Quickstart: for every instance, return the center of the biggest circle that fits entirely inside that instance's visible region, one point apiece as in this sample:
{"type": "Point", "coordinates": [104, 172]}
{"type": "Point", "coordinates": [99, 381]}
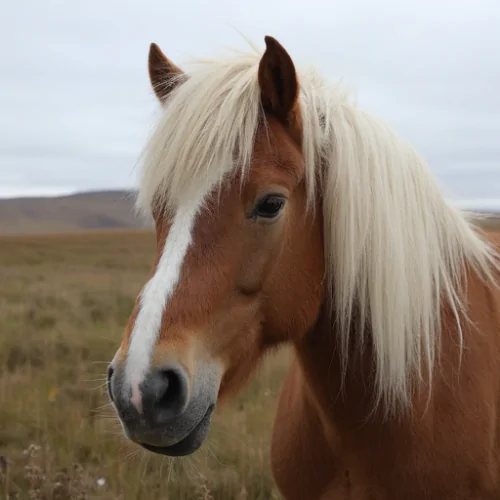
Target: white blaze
{"type": "Point", "coordinates": [154, 299]}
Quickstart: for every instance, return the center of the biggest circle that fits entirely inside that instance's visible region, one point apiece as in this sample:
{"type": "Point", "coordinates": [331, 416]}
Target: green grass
{"type": "Point", "coordinates": [64, 301]}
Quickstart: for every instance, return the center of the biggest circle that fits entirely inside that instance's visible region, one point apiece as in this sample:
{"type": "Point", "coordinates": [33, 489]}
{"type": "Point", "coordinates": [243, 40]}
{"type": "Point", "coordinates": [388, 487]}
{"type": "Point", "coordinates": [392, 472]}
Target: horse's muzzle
{"type": "Point", "coordinates": [164, 413]}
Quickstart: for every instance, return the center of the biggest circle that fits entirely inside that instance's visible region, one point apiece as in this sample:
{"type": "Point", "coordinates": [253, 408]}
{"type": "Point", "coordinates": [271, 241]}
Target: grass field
{"type": "Point", "coordinates": [491, 223]}
{"type": "Point", "coordinates": [63, 303]}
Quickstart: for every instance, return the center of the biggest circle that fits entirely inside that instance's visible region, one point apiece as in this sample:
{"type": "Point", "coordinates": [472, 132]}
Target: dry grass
{"type": "Point", "coordinates": [64, 300]}
{"type": "Point", "coordinates": [63, 303]}
{"type": "Point", "coordinates": [491, 223]}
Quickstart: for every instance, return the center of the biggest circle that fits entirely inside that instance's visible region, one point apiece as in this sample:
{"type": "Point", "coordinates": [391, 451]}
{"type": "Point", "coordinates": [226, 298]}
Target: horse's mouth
{"type": "Point", "coordinates": [190, 443]}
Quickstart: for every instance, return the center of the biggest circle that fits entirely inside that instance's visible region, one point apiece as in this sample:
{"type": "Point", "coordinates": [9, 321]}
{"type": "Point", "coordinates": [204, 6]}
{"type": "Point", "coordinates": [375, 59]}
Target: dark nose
{"type": "Point", "coordinates": [164, 395]}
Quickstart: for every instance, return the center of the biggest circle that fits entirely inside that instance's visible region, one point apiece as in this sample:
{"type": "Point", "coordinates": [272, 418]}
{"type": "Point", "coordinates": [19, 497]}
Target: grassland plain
{"type": "Point", "coordinates": [64, 300]}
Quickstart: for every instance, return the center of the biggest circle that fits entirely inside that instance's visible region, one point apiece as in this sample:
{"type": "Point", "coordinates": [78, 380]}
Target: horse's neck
{"type": "Point", "coordinates": [351, 403]}
{"type": "Point", "coordinates": [335, 397]}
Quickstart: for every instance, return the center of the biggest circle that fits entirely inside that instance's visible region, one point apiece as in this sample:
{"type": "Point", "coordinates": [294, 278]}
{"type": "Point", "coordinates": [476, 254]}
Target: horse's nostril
{"type": "Point", "coordinates": [170, 388]}
{"type": "Point", "coordinates": [164, 393]}
{"type": "Point", "coordinates": [111, 371]}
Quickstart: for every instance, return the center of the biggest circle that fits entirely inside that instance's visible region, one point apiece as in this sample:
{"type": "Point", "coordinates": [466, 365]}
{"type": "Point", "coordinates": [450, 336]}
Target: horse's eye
{"type": "Point", "coordinates": [270, 206]}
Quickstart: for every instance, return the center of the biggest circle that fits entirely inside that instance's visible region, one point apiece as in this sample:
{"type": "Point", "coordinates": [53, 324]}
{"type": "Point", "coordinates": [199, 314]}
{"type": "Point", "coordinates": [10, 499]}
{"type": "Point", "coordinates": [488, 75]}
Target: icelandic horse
{"type": "Point", "coordinates": [284, 213]}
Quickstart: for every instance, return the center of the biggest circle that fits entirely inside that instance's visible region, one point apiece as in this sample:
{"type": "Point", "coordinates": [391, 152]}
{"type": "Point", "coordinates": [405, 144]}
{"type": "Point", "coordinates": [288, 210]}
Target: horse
{"type": "Point", "coordinates": [284, 213]}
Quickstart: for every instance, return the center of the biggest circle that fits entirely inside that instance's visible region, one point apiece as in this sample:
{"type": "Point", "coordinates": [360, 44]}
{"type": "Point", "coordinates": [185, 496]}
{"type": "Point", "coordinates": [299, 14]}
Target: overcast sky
{"type": "Point", "coordinates": [76, 105]}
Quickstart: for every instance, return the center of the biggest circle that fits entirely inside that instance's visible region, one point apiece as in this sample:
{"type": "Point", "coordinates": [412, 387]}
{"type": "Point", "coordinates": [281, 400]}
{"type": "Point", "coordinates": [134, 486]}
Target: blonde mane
{"type": "Point", "coordinates": [394, 248]}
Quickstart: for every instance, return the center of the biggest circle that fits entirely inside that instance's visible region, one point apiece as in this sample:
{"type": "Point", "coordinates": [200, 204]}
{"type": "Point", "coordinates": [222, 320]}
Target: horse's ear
{"type": "Point", "coordinates": [163, 73]}
{"type": "Point", "coordinates": [277, 80]}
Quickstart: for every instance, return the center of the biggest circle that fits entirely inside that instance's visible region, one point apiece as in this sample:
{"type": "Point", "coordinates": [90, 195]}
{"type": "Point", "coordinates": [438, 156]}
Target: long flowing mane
{"type": "Point", "coordinates": [395, 249]}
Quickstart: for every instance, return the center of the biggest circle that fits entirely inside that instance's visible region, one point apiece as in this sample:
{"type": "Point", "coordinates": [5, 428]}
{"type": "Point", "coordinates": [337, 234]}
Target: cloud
{"type": "Point", "coordinates": [77, 106]}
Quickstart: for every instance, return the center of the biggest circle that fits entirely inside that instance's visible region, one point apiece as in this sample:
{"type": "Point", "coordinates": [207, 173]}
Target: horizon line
{"type": "Point", "coordinates": [481, 204]}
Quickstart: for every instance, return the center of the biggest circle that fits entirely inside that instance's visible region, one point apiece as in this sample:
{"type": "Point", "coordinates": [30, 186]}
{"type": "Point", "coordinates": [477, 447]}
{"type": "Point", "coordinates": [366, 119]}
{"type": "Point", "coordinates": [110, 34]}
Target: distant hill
{"type": "Point", "coordinates": [98, 210]}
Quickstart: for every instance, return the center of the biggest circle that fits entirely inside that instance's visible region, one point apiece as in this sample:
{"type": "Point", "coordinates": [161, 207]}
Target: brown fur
{"type": "Point", "coordinates": [249, 285]}
{"type": "Point", "coordinates": [448, 450]}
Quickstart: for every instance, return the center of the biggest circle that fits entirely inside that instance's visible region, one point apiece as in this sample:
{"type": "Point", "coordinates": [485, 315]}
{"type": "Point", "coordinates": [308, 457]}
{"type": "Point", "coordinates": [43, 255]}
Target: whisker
{"type": "Point", "coordinates": [107, 405]}
{"type": "Point", "coordinates": [209, 450]}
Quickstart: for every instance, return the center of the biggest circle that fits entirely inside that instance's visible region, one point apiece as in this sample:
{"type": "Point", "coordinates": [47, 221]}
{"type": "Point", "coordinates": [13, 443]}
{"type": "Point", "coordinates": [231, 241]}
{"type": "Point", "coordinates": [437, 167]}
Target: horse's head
{"type": "Point", "coordinates": [239, 263]}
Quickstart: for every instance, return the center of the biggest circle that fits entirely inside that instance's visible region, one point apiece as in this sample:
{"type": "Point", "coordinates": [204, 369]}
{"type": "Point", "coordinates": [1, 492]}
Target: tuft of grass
{"type": "Point", "coordinates": [64, 302]}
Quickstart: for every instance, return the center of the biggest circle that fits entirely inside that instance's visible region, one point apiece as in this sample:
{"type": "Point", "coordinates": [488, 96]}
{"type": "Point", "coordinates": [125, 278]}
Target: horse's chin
{"type": "Point", "coordinates": [188, 444]}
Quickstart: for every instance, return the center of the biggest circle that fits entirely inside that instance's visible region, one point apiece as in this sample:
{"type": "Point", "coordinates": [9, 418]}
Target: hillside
{"type": "Point", "coordinates": [100, 210]}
